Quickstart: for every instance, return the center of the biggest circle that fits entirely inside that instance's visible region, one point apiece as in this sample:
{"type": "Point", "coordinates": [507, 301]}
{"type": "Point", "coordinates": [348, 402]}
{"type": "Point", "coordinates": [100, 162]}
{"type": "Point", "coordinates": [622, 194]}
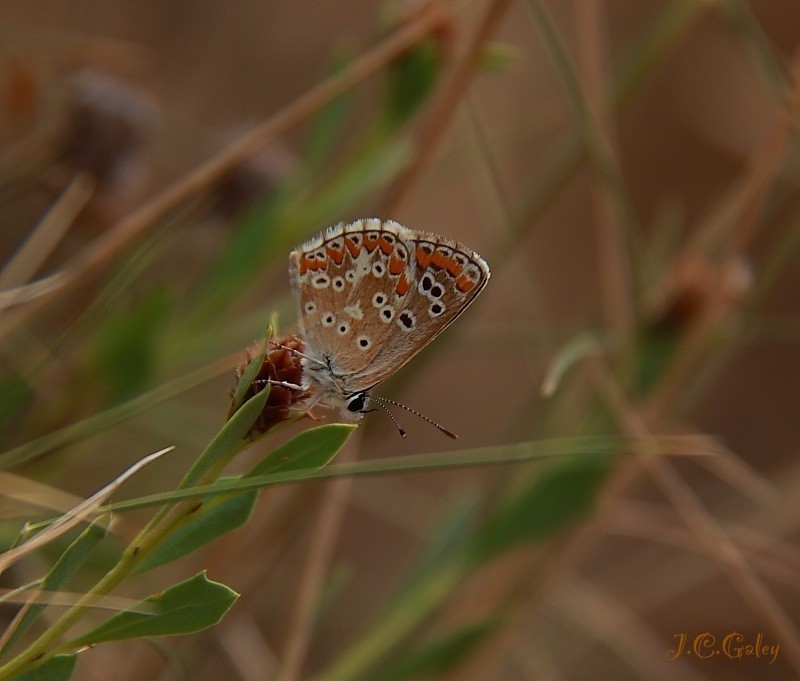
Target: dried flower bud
{"type": "Point", "coordinates": [281, 363]}
{"type": "Point", "coordinates": [253, 180]}
{"type": "Point", "coordinates": [108, 123]}
{"type": "Point", "coordinates": [695, 285]}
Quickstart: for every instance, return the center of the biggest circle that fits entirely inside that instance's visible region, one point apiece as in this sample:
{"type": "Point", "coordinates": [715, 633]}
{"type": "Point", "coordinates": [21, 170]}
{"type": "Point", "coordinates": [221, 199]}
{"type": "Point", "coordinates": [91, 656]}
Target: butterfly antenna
{"type": "Point", "coordinates": [444, 430]}
{"type": "Point", "coordinates": [391, 416]}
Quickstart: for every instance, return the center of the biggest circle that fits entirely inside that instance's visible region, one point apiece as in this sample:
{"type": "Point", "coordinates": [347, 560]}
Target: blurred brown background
{"type": "Point", "coordinates": [697, 119]}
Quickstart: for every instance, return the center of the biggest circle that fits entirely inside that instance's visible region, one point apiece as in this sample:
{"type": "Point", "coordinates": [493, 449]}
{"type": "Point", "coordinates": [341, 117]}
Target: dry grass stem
{"type": "Point", "coordinates": [440, 116]}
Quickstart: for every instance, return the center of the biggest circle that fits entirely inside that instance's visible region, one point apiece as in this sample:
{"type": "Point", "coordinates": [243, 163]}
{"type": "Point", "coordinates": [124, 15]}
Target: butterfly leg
{"type": "Point", "coordinates": [297, 352]}
{"type": "Point", "coordinates": [282, 384]}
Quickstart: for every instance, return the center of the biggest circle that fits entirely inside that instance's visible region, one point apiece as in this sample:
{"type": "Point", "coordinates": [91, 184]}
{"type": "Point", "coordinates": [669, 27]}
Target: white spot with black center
{"type": "Point", "coordinates": [350, 276]}
{"type": "Point", "coordinates": [338, 284]}
{"type": "Point", "coordinates": [425, 284]}
{"type": "Point", "coordinates": [406, 320]}
{"type": "Point", "coordinates": [379, 299]}
{"type": "Point", "coordinates": [310, 307]}
{"type": "Point", "coordinates": [436, 309]}
{"type": "Point", "coordinates": [436, 291]}
{"type": "Point", "coordinates": [343, 329]}
{"type": "Point", "coordinates": [320, 281]}
{"type": "Point", "coordinates": [386, 314]}
{"type": "Point", "coordinates": [378, 269]}
{"type": "Point", "coordinates": [363, 342]}
{"type": "Point", "coordinates": [328, 319]}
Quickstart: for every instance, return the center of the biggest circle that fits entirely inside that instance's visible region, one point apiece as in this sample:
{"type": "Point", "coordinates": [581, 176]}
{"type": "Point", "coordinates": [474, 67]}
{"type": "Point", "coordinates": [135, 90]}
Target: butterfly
{"type": "Point", "coordinates": [370, 295]}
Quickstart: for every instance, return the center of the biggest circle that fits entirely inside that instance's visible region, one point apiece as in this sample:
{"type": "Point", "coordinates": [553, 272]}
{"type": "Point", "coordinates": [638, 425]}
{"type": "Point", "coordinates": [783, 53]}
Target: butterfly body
{"type": "Point", "coordinates": [370, 295]}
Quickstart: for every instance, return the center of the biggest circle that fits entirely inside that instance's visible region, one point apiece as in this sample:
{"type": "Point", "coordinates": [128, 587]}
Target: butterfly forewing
{"type": "Point", "coordinates": [372, 294]}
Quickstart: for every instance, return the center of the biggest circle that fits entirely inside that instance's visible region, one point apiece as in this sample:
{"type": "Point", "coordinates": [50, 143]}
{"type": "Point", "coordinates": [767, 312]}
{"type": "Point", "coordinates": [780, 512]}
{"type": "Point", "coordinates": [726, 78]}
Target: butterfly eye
{"type": "Point", "coordinates": [356, 402]}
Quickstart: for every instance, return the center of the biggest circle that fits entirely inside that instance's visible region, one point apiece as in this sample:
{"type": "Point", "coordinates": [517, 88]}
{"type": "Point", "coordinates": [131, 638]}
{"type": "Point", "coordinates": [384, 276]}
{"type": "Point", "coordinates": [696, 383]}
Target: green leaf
{"type": "Point", "coordinates": [185, 608]}
{"type": "Point", "coordinates": [228, 438]}
{"type": "Point", "coordinates": [57, 668]}
{"type": "Point", "coordinates": [410, 79]}
{"type": "Point", "coordinates": [326, 128]}
{"type": "Point", "coordinates": [440, 655]}
{"type": "Point", "coordinates": [553, 502]}
{"type": "Point", "coordinates": [500, 56]}
{"type": "Point", "coordinates": [217, 518]}
{"type": "Point", "coordinates": [251, 371]}
{"type": "Point", "coordinates": [310, 450]}
{"type": "Point", "coordinates": [126, 345]}
{"type": "Point", "coordinates": [67, 564]}
{"type": "Point", "coordinates": [15, 393]}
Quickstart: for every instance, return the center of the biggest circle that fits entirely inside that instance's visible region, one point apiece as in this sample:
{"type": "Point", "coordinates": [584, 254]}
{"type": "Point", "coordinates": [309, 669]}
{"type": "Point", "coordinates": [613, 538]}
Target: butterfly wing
{"type": "Point", "coordinates": [372, 294]}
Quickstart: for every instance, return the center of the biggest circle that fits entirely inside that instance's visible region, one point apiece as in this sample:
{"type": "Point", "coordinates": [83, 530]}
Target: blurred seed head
{"type": "Point", "coordinates": [108, 122]}
{"type": "Point", "coordinates": [695, 285]}
{"type": "Point", "coordinates": [253, 180]}
{"type": "Point", "coordinates": [280, 364]}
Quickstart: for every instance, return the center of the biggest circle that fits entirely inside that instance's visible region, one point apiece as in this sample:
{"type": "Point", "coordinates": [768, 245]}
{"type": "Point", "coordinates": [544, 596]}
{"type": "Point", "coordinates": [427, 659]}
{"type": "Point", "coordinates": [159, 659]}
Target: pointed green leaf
{"type": "Point", "coordinates": [217, 518]}
{"type": "Point", "coordinates": [228, 438]}
{"type": "Point", "coordinates": [190, 606]}
{"type": "Point", "coordinates": [57, 668]}
{"type": "Point", "coordinates": [251, 371]}
{"type": "Point", "coordinates": [555, 500]}
{"type": "Point", "coordinates": [67, 564]}
{"type": "Point", "coordinates": [310, 450]}
{"type": "Point", "coordinates": [326, 128]}
{"type": "Point", "coordinates": [410, 79]}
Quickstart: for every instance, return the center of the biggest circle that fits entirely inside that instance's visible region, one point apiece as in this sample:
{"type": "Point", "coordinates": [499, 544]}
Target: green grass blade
{"type": "Point", "coordinates": [591, 447]}
{"type": "Point", "coordinates": [440, 655]}
{"type": "Point", "coordinates": [559, 497]}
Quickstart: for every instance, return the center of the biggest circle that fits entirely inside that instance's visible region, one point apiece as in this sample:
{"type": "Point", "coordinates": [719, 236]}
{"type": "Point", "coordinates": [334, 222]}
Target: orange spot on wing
{"type": "Point", "coordinates": [454, 268]}
{"type": "Point", "coordinates": [464, 283]}
{"type": "Point", "coordinates": [423, 257]}
{"type": "Point", "coordinates": [370, 244]}
{"type": "Point", "coordinates": [337, 255]}
{"type": "Point", "coordinates": [385, 246]}
{"type": "Point", "coordinates": [440, 260]}
{"type": "Point", "coordinates": [303, 267]}
{"type": "Point", "coordinates": [402, 285]}
{"type": "Point", "coordinates": [352, 247]}
{"type": "Point", "coordinates": [395, 265]}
